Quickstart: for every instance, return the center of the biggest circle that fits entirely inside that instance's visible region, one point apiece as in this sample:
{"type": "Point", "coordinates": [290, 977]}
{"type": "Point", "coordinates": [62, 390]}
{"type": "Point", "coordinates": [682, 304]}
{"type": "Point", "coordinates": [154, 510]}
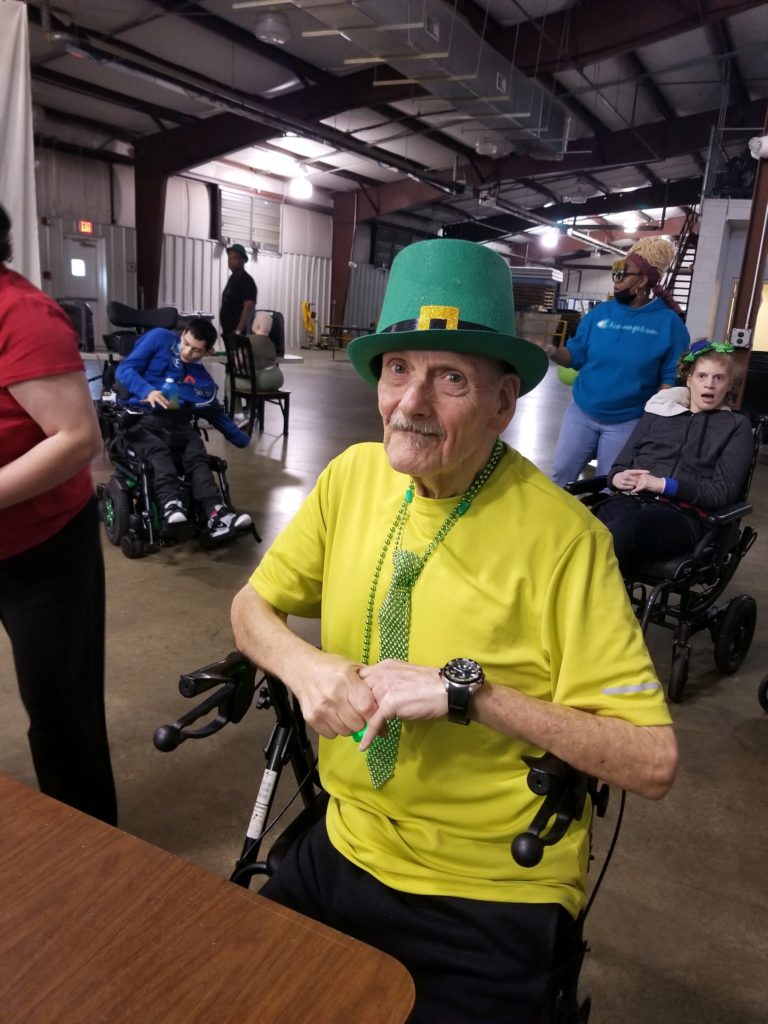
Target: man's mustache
{"type": "Point", "coordinates": [424, 427]}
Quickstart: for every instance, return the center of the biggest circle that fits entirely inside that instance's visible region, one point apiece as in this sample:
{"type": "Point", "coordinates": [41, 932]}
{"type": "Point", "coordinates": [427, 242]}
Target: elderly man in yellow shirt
{"type": "Point", "coordinates": [471, 613]}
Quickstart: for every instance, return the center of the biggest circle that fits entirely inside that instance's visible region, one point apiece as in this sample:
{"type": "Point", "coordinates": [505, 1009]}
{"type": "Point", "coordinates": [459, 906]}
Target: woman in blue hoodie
{"type": "Point", "coordinates": [625, 349]}
{"type": "Point", "coordinates": [689, 455]}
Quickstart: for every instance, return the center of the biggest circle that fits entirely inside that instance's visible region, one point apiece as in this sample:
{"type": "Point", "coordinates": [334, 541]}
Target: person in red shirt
{"type": "Point", "coordinates": [51, 565]}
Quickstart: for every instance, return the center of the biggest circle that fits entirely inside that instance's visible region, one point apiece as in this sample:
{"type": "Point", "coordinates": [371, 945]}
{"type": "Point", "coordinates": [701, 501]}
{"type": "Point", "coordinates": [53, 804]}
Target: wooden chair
{"type": "Point", "coordinates": [242, 383]}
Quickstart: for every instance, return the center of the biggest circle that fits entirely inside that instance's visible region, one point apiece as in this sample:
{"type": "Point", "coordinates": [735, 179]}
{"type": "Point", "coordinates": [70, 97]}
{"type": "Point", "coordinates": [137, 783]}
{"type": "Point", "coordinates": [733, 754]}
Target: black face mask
{"type": "Point", "coordinates": [625, 297]}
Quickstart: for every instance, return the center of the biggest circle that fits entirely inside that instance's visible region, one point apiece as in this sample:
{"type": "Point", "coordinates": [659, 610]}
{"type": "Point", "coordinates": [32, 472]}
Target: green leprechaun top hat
{"type": "Point", "coordinates": [449, 295]}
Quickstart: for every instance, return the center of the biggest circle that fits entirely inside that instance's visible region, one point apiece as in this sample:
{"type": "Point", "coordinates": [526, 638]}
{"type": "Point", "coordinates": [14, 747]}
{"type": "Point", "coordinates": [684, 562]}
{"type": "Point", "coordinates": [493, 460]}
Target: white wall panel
{"type": "Point", "coordinates": [194, 272]}
{"type": "Point", "coordinates": [307, 232]}
{"type": "Point", "coordinates": [72, 187]}
{"type": "Point", "coordinates": [199, 200]}
{"type": "Point", "coordinates": [123, 195]}
{"type": "Point", "coordinates": [190, 274]}
{"type": "Point", "coordinates": [176, 220]}
{"type": "Point", "coordinates": [367, 285]}
{"type": "Point", "coordinates": [285, 281]}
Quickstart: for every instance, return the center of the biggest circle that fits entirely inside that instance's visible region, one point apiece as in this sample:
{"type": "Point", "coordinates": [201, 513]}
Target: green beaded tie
{"type": "Point", "coordinates": [395, 611]}
{"type": "Point", "coordinates": [394, 627]}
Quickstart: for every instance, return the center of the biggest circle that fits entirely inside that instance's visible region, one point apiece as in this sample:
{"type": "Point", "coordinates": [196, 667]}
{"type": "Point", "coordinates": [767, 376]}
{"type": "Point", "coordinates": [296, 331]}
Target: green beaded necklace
{"type": "Point", "coordinates": [398, 525]}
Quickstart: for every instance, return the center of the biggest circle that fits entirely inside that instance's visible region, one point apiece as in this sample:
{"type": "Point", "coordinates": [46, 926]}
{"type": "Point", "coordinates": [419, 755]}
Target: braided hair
{"type": "Point", "coordinates": [653, 256]}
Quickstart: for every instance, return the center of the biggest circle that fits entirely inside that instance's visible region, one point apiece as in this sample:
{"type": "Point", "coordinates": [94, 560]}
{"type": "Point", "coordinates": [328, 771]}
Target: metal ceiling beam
{"type": "Point", "coordinates": [110, 130]}
{"type": "Point", "coordinates": [722, 46]}
{"type": "Point", "coordinates": [244, 108]}
{"type": "Point", "coordinates": [657, 97]}
{"type": "Point", "coordinates": [419, 127]}
{"type": "Point", "coordinates": [307, 72]}
{"type": "Point", "coordinates": [188, 145]}
{"type": "Point", "coordinates": [646, 143]}
{"type": "Point", "coordinates": [590, 32]}
{"type": "Point", "coordinates": [678, 193]}
{"type": "Point", "coordinates": [119, 99]}
{"type": "Point", "coordinates": [233, 33]}
{"type": "Point", "coordinates": [105, 155]}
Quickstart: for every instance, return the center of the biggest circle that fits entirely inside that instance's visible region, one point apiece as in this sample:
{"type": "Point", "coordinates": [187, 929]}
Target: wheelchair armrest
{"type": "Point", "coordinates": [589, 485]}
{"type": "Point", "coordinates": [236, 678]}
{"type": "Point", "coordinates": [728, 514]}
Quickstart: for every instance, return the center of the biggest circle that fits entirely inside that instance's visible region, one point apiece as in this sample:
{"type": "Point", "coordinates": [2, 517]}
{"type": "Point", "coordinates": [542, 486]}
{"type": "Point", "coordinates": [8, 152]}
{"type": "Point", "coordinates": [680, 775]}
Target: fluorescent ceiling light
{"type": "Point", "coordinates": [260, 3]}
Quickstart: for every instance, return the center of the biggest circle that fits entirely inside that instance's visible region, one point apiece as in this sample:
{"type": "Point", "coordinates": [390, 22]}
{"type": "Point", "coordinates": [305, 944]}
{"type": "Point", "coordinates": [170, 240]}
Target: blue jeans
{"type": "Point", "coordinates": [581, 437]}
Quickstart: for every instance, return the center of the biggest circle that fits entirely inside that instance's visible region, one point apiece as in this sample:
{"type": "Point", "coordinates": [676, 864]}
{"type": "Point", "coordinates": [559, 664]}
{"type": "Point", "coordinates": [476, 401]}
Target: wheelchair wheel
{"type": "Point", "coordinates": [762, 694]}
{"type": "Point", "coordinates": [678, 675]}
{"type": "Point", "coordinates": [131, 546]}
{"type": "Point", "coordinates": [115, 510]}
{"type": "Point", "coordinates": [736, 629]}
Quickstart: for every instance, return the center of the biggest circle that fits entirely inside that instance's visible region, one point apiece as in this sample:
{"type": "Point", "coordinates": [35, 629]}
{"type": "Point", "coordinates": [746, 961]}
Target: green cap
{"type": "Point", "coordinates": [239, 249]}
{"type": "Point", "coordinates": [448, 295]}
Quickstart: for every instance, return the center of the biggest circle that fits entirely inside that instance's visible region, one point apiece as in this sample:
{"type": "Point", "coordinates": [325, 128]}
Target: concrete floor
{"type": "Point", "coordinates": [678, 933]}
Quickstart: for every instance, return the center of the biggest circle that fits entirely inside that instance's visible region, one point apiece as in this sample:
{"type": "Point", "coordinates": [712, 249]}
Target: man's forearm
{"type": "Point", "coordinates": [641, 759]}
{"type": "Point", "coordinates": [247, 309]}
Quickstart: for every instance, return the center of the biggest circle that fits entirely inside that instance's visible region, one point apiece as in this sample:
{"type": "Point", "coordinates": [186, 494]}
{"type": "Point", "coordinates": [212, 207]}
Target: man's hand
{"type": "Point", "coordinates": [333, 698]}
{"type": "Point", "coordinates": [156, 398]}
{"type": "Point", "coordinates": [241, 439]}
{"type": "Point", "coordinates": [401, 690]}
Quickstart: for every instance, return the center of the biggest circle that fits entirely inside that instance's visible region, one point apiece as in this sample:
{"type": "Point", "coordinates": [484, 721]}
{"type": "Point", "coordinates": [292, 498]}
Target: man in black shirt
{"type": "Point", "coordinates": [238, 299]}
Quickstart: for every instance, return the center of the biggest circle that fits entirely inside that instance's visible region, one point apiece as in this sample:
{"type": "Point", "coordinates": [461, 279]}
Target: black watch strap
{"type": "Point", "coordinates": [462, 678]}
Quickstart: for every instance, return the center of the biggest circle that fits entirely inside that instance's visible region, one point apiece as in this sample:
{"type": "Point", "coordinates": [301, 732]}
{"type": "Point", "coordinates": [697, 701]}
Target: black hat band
{"type": "Point", "coordinates": [435, 323]}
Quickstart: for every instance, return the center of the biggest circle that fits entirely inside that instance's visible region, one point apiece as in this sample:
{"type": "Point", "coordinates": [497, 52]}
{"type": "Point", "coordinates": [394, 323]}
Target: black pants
{"type": "Point", "coordinates": [155, 438]}
{"type": "Point", "coordinates": [648, 529]}
{"type": "Point", "coordinates": [52, 607]}
{"type": "Point", "coordinates": [470, 960]}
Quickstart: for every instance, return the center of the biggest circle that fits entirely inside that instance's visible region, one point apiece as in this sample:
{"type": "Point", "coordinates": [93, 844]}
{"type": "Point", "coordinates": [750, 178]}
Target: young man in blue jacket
{"type": "Point", "coordinates": [165, 372]}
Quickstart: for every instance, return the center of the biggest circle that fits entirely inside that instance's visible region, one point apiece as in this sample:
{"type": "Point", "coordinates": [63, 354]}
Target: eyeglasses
{"type": "Point", "coordinates": [619, 275]}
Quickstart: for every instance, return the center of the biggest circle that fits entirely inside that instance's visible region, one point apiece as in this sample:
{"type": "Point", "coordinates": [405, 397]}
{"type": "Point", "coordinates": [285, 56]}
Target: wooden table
{"type": "Point", "coordinates": [99, 927]}
{"type": "Point", "coordinates": [339, 335]}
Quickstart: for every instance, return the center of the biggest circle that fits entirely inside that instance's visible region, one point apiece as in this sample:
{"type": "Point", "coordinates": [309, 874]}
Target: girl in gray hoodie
{"type": "Point", "coordinates": [688, 455]}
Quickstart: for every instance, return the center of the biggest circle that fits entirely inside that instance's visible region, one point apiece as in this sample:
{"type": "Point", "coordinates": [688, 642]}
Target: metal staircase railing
{"type": "Point", "coordinates": [680, 273]}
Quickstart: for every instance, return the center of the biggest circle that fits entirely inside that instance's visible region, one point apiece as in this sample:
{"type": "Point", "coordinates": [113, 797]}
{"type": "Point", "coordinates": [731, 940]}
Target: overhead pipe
{"type": "Point", "coordinates": [228, 99]}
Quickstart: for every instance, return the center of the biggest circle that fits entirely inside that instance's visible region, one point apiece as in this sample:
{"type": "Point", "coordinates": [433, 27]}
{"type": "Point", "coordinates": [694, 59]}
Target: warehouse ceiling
{"type": "Point", "coordinates": [482, 119]}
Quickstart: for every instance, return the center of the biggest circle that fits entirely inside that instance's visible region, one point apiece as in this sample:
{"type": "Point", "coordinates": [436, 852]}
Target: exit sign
{"type": "Point", "coordinates": [85, 227]}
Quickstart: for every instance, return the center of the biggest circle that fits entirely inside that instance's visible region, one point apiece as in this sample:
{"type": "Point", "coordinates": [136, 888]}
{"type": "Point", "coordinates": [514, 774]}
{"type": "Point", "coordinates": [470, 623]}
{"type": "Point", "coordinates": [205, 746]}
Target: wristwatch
{"type": "Point", "coordinates": [462, 678]}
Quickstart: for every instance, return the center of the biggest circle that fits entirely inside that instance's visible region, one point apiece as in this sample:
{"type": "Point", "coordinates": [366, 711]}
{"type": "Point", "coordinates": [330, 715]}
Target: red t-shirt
{"type": "Point", "coordinates": [36, 340]}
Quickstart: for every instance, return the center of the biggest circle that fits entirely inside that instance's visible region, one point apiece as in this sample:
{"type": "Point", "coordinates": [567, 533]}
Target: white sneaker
{"type": "Point", "coordinates": [173, 513]}
{"type": "Point", "coordinates": [225, 521]}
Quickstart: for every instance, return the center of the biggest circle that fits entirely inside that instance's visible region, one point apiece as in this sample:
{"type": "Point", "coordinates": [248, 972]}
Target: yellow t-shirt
{"type": "Point", "coordinates": [526, 584]}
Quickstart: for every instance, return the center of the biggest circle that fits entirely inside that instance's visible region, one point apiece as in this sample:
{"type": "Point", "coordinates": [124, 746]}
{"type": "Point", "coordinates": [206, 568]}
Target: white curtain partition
{"type": "Point", "coordinates": [17, 168]}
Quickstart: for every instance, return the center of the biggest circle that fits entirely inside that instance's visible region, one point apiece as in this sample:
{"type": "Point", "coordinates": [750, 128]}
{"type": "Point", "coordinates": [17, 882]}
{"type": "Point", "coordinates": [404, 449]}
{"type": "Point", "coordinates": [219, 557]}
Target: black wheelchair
{"type": "Point", "coordinates": [564, 793]}
{"type": "Point", "coordinates": [127, 504]}
{"type": "Point", "coordinates": [680, 593]}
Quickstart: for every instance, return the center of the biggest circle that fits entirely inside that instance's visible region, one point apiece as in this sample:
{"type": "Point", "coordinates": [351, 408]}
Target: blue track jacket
{"type": "Point", "coordinates": [156, 358]}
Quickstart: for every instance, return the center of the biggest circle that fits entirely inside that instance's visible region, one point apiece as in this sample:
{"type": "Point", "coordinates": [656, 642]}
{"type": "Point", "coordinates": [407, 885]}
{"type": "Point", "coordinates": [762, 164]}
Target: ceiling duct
{"type": "Point", "coordinates": [429, 42]}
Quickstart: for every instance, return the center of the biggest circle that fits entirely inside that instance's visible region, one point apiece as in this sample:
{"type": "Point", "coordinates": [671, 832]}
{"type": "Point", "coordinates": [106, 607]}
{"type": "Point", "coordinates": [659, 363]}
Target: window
{"type": "Point", "coordinates": [77, 268]}
{"type": "Point", "coordinates": [247, 217]}
{"type": "Point", "coordinates": [387, 241]}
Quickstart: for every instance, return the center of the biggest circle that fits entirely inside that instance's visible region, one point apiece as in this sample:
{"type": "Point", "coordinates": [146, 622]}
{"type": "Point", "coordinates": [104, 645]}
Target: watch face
{"type": "Point", "coordinates": [463, 670]}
